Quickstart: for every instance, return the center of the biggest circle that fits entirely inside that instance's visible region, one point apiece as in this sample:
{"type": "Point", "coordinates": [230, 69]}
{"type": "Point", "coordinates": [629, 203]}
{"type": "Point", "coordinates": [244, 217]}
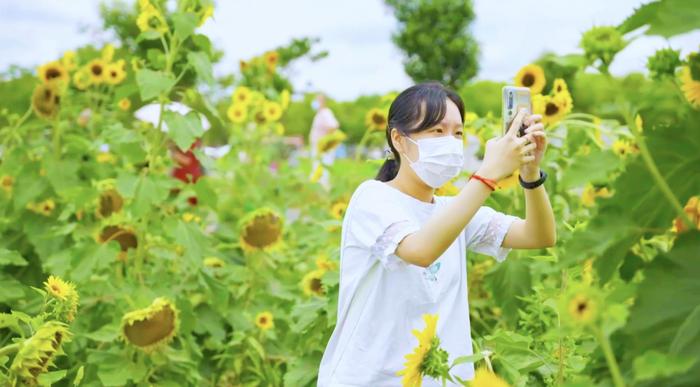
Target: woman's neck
{"type": "Point", "coordinates": [412, 186]}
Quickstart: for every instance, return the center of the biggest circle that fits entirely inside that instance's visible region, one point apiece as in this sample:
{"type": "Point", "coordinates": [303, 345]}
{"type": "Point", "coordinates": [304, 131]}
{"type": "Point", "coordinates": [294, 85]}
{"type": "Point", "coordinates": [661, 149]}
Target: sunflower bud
{"type": "Point", "coordinates": [152, 327]}
{"type": "Point", "coordinates": [67, 297]}
{"type": "Point", "coordinates": [663, 63]}
{"type": "Point", "coordinates": [46, 100]}
{"type": "Point", "coordinates": [602, 43]}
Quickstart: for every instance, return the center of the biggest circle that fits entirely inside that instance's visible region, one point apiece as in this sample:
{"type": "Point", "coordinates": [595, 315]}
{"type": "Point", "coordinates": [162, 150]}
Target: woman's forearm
{"type": "Point", "coordinates": [539, 217]}
{"type": "Point", "coordinates": [426, 245]}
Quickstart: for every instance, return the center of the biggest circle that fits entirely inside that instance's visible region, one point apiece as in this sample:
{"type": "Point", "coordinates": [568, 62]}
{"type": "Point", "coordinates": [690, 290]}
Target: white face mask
{"type": "Point", "coordinates": [439, 159]}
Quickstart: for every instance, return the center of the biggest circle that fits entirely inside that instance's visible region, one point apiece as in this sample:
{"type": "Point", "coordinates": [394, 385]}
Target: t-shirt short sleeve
{"type": "Point", "coordinates": [486, 230]}
{"type": "Point", "coordinates": [375, 221]}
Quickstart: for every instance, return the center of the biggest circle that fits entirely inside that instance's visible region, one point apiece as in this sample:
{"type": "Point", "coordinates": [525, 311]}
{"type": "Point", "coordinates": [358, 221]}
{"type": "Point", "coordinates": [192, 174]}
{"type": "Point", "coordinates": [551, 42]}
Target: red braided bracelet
{"type": "Point", "coordinates": [489, 182]}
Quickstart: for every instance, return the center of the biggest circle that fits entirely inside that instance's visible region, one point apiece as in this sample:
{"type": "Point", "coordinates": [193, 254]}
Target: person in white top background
{"type": "Point", "coordinates": [324, 123]}
{"type": "Point", "coordinates": [403, 249]}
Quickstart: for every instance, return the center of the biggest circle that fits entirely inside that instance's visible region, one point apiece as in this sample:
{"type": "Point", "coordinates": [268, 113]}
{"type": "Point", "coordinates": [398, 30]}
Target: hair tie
{"type": "Point", "coordinates": [389, 153]}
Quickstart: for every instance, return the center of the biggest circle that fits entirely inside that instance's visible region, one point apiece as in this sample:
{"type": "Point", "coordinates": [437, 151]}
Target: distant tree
{"type": "Point", "coordinates": [435, 37]}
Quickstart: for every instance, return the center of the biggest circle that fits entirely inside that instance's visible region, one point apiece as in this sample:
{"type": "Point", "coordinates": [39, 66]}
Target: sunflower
{"type": "Point", "coordinates": [338, 209]}
{"type": "Point", "coordinates": [243, 65]}
{"type": "Point", "coordinates": [323, 263]}
{"type": "Point", "coordinates": [692, 209]}
{"type": "Point", "coordinates": [150, 19]}
{"type": "Point", "coordinates": [82, 79]}
{"type": "Point", "coordinates": [125, 237]}
{"type": "Point", "coordinates": [564, 101]}
{"type": "Point", "coordinates": [330, 141]}
{"type": "Point", "coordinates": [6, 183]}
{"type": "Point", "coordinates": [124, 104]}
{"type": "Point", "coordinates": [264, 320]}
{"type": "Point", "coordinates": [271, 58]}
{"type": "Point", "coordinates": [272, 111]}
{"type": "Point", "coordinates": [237, 113]}
{"type": "Point", "coordinates": [559, 86]}
{"type": "Point", "coordinates": [69, 61]}
{"type": "Point", "coordinates": [58, 288]}
{"type": "Point", "coordinates": [242, 96]}
{"type": "Point", "coordinates": [623, 147]}
{"type": "Point", "coordinates": [551, 109]}
{"type": "Point", "coordinates": [66, 293]}
{"type": "Point", "coordinates": [485, 378]}
{"type": "Point", "coordinates": [44, 208]}
{"type": "Point", "coordinates": [261, 230]}
{"type": "Point", "coordinates": [312, 283]}
{"type": "Point", "coordinates": [96, 69]}
{"type": "Point", "coordinates": [419, 362]}
{"type": "Point", "coordinates": [152, 327]}
{"type": "Point", "coordinates": [53, 72]}
{"type": "Point", "coordinates": [110, 202]}
{"type": "Point", "coordinates": [37, 353]}
{"type": "Point", "coordinates": [531, 76]}
{"type": "Point", "coordinates": [46, 101]}
{"type": "Point", "coordinates": [214, 262]}
{"type": "Point", "coordinates": [580, 305]}
{"type": "Point", "coordinates": [189, 217]}
{"type": "Point", "coordinates": [115, 72]}
{"type": "Point", "coordinates": [690, 87]}
{"type": "Point", "coordinates": [376, 119]}
{"type": "Point", "coordinates": [447, 189]}
{"type": "Point", "coordinates": [590, 193]}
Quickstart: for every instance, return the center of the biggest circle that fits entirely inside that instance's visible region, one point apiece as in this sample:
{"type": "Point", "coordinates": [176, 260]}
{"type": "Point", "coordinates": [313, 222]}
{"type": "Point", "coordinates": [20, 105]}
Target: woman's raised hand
{"type": "Point", "coordinates": [507, 153]}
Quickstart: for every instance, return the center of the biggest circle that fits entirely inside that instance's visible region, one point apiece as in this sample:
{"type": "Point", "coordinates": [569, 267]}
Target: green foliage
{"type": "Point", "coordinates": [436, 41]}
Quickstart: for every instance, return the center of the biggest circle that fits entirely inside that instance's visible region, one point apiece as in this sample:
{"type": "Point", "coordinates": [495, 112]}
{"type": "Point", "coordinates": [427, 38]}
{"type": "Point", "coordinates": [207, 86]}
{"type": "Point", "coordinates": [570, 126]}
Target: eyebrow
{"type": "Point", "coordinates": [455, 124]}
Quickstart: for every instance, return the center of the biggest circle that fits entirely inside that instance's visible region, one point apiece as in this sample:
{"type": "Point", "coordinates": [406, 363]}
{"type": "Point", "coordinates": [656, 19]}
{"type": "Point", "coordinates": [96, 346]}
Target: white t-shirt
{"type": "Point", "coordinates": [379, 305]}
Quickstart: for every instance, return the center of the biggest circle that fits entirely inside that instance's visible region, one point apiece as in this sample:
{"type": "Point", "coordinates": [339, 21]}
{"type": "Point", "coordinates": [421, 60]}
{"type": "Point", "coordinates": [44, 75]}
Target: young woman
{"type": "Point", "coordinates": [403, 250]}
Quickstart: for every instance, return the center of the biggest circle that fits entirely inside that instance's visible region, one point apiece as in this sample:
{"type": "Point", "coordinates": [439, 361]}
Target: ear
{"type": "Point", "coordinates": [396, 140]}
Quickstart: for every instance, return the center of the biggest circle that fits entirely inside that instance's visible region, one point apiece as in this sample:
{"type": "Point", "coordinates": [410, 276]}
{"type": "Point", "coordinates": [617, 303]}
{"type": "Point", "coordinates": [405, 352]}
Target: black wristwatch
{"type": "Point", "coordinates": [533, 184]}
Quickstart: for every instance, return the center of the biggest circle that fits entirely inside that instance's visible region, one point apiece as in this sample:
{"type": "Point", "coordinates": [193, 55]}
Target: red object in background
{"type": "Point", "coordinates": [189, 170]}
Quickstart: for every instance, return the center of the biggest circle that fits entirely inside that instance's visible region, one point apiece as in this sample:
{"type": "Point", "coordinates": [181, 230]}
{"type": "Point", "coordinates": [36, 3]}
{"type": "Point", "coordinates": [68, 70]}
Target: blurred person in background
{"type": "Point", "coordinates": [324, 123]}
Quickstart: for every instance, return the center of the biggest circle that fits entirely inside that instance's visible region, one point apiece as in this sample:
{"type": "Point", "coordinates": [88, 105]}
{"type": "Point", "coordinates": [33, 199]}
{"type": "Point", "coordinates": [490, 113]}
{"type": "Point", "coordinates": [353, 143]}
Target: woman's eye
{"type": "Point", "coordinates": [459, 134]}
{"type": "Point", "coordinates": [439, 130]}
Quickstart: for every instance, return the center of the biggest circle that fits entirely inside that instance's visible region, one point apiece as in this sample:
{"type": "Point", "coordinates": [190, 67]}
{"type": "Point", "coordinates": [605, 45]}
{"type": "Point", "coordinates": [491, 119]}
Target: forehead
{"type": "Point", "coordinates": [452, 116]}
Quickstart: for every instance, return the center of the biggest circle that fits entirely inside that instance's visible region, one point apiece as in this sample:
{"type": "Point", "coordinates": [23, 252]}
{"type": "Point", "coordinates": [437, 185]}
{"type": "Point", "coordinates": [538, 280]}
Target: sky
{"type": "Point", "coordinates": [357, 34]}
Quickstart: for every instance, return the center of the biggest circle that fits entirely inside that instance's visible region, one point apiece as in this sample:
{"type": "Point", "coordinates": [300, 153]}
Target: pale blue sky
{"type": "Point", "coordinates": [356, 33]}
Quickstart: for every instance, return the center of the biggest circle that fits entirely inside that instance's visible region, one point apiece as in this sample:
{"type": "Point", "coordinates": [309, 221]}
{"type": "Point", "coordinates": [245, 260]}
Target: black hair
{"type": "Point", "coordinates": [427, 100]}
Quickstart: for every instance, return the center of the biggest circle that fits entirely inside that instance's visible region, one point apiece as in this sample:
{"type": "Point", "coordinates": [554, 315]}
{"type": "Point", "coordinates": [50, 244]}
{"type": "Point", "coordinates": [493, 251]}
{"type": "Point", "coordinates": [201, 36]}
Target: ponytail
{"type": "Point", "coordinates": [388, 171]}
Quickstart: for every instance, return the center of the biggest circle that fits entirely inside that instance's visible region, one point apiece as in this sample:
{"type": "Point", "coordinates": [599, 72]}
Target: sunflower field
{"type": "Point", "coordinates": [132, 254]}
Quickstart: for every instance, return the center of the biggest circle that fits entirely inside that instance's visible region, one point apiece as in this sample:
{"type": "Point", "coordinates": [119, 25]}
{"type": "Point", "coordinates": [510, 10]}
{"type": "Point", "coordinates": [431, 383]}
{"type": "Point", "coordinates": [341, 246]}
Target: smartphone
{"type": "Point", "coordinates": [515, 98]}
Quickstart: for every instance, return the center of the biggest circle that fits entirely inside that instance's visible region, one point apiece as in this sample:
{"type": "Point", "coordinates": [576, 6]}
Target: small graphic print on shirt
{"type": "Point", "coordinates": [430, 272]}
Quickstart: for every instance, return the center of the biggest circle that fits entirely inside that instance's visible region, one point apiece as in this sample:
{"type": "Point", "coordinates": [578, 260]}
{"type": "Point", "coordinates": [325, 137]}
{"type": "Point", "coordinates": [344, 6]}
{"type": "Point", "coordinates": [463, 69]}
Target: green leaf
{"type": "Point", "coordinates": [153, 83]}
{"type": "Point", "coordinates": [10, 257]}
{"type": "Point", "coordinates": [184, 130]}
{"type": "Point", "coordinates": [665, 18]}
{"type": "Point", "coordinates": [301, 372]}
{"type": "Point", "coordinates": [48, 378]}
{"type": "Point", "coordinates": [654, 364]}
{"type": "Point", "coordinates": [79, 376]}
{"type": "Point", "coordinates": [508, 281]}
{"type": "Point", "coordinates": [184, 23]}
{"type": "Point", "coordinates": [593, 167]}
{"type": "Point", "coordinates": [148, 192]}
{"type": "Point", "coordinates": [202, 65]}
{"type": "Point", "coordinates": [205, 194]}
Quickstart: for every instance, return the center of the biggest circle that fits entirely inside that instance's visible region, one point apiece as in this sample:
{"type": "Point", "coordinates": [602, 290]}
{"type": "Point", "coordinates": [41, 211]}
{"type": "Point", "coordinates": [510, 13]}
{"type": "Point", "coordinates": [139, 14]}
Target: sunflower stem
{"type": "Point", "coordinates": [8, 349]}
{"type": "Point", "coordinates": [654, 171]}
{"type": "Point", "coordinates": [56, 139]}
{"type": "Point", "coordinates": [609, 357]}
